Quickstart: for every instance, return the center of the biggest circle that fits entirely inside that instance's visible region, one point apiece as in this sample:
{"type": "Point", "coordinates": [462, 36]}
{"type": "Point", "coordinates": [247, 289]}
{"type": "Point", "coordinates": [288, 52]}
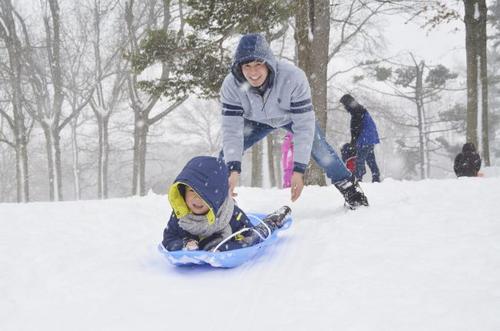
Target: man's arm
{"type": "Point", "coordinates": [232, 131]}
{"type": "Point", "coordinates": [303, 126]}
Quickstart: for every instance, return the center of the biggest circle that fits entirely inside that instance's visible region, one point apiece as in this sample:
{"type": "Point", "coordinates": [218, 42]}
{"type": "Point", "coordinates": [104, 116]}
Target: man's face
{"type": "Point", "coordinates": [351, 104]}
{"type": "Point", "coordinates": [255, 72]}
{"type": "Point", "coordinates": [195, 203]}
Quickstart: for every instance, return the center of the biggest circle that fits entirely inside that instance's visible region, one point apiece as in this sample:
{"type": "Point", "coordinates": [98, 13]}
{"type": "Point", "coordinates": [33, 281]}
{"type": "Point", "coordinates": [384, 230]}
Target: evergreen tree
{"type": "Point", "coordinates": [198, 60]}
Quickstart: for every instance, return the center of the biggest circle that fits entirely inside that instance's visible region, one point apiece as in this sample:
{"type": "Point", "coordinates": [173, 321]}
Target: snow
{"type": "Point", "coordinates": [424, 256]}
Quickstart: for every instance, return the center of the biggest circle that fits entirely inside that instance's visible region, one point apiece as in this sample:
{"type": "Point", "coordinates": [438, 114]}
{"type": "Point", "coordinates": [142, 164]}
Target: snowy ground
{"type": "Point", "coordinates": [424, 256]}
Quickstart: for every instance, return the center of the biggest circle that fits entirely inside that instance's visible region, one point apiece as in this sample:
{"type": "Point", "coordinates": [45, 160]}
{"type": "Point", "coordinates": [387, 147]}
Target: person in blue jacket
{"type": "Point", "coordinates": [203, 214]}
{"type": "Point", "coordinates": [364, 136]}
{"type": "Point", "coordinates": [261, 94]}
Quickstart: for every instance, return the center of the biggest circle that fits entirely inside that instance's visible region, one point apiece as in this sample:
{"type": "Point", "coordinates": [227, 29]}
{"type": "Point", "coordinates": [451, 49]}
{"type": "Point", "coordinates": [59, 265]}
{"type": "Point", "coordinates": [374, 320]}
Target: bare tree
{"type": "Point", "coordinates": [199, 125]}
{"type": "Point", "coordinates": [110, 67]}
{"type": "Point", "coordinates": [16, 121]}
{"type": "Point", "coordinates": [142, 105]}
{"type": "Point", "coordinates": [419, 84]}
{"type": "Point", "coordinates": [79, 84]}
{"type": "Point", "coordinates": [483, 76]}
{"type": "Point", "coordinates": [313, 17]}
{"type": "Point", "coordinates": [475, 19]}
{"type": "Point", "coordinates": [471, 28]}
{"type": "Point", "coordinates": [47, 87]}
{"type": "Point", "coordinates": [7, 158]}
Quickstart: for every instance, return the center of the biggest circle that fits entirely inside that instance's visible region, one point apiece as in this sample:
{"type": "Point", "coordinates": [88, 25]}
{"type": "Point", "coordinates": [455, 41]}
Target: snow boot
{"type": "Point", "coordinates": [352, 192]}
{"type": "Point", "coordinates": [278, 217]}
{"type": "Point", "coordinates": [273, 221]}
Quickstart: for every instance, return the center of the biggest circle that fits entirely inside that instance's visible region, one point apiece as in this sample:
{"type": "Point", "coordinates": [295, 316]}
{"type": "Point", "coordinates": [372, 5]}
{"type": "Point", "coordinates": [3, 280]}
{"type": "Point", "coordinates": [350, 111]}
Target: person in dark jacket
{"type": "Point", "coordinates": [203, 214]}
{"type": "Point", "coordinates": [348, 152]}
{"type": "Point", "coordinates": [467, 163]}
{"type": "Point", "coordinates": [364, 136]}
{"type": "Point", "coordinates": [261, 94]}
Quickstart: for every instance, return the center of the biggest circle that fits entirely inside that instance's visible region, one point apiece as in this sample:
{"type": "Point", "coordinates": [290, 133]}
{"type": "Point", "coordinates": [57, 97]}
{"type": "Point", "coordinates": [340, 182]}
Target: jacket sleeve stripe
{"type": "Point", "coordinates": [231, 107]}
{"type": "Point", "coordinates": [300, 103]}
{"type": "Point", "coordinates": [231, 113]}
{"type": "Point", "coordinates": [301, 110]}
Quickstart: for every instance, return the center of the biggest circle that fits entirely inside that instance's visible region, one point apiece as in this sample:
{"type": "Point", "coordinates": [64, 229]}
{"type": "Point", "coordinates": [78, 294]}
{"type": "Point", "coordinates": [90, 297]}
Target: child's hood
{"type": "Point", "coordinates": [208, 177]}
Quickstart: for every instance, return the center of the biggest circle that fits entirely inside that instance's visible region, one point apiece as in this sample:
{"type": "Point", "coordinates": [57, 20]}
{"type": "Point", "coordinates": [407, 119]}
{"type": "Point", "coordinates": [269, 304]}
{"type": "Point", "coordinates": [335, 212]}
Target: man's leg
{"type": "Point", "coordinates": [326, 157]}
{"type": "Point", "coordinates": [361, 155]}
{"type": "Point", "coordinates": [372, 164]}
{"type": "Point", "coordinates": [252, 133]}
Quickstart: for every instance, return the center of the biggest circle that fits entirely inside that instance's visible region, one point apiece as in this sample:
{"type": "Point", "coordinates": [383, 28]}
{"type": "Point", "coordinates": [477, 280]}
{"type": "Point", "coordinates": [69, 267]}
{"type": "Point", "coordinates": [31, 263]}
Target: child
{"type": "Point", "coordinates": [204, 215]}
{"type": "Point", "coordinates": [287, 159]}
{"type": "Point", "coordinates": [348, 152]}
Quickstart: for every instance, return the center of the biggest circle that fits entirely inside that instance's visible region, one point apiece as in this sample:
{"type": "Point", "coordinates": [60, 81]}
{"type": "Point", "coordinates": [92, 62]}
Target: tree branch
{"type": "Point", "coordinates": [166, 111]}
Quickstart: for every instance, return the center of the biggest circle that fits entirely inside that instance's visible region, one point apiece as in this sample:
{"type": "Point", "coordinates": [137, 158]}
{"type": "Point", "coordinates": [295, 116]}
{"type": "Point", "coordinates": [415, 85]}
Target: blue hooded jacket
{"type": "Point", "coordinates": [363, 128]}
{"type": "Point", "coordinates": [285, 102]}
{"type": "Point", "coordinates": [369, 134]}
{"type": "Point", "coordinates": [208, 177]}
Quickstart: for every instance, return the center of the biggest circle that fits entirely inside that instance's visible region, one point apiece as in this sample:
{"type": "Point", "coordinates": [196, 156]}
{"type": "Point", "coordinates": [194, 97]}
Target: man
{"type": "Point", "coordinates": [262, 94]}
{"type": "Point", "coordinates": [364, 136]}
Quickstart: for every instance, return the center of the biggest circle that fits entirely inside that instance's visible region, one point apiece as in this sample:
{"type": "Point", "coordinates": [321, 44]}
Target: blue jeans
{"type": "Point", "coordinates": [366, 154]}
{"type": "Point", "coordinates": [322, 153]}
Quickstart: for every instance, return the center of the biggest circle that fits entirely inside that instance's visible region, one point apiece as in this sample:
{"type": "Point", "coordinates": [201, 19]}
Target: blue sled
{"type": "Point", "coordinates": [226, 259]}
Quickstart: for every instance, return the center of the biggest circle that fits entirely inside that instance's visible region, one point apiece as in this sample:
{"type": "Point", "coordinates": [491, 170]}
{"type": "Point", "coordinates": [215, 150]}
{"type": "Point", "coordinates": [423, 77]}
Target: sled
{"type": "Point", "coordinates": [225, 259]}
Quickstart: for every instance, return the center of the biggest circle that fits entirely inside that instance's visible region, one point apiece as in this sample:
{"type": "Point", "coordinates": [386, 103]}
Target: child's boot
{"type": "Point", "coordinates": [278, 217]}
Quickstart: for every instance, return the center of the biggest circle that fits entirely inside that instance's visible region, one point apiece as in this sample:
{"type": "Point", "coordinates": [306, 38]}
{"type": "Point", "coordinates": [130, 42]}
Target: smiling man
{"type": "Point", "coordinates": [262, 94]}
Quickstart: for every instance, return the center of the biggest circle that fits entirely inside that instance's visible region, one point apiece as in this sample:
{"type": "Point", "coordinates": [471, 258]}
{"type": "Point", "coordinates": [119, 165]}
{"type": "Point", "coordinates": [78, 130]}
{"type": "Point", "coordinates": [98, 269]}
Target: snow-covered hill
{"type": "Point", "coordinates": [424, 256]}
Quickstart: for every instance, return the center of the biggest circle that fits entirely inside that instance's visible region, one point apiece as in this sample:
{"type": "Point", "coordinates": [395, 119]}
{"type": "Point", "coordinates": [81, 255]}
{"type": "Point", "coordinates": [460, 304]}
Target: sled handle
{"type": "Point", "coordinates": [244, 230]}
{"type": "Point", "coordinates": [267, 228]}
{"type": "Point", "coordinates": [230, 237]}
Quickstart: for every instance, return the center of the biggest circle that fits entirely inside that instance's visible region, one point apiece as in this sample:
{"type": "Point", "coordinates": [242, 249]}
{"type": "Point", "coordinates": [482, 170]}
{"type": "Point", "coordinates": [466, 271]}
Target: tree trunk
{"type": "Point", "coordinates": [472, 70]}
{"type": "Point", "coordinates": [21, 139]}
{"type": "Point", "coordinates": [271, 156]}
{"type": "Point", "coordinates": [256, 180]}
{"type": "Point", "coordinates": [141, 129]}
{"type": "Point", "coordinates": [103, 158]}
{"type": "Point", "coordinates": [421, 119]}
{"type": "Point", "coordinates": [142, 108]}
{"type": "Point", "coordinates": [313, 18]}
{"type": "Point", "coordinates": [277, 161]}
{"type": "Point", "coordinates": [483, 62]}
{"type": "Point", "coordinates": [50, 118]}
{"type": "Point", "coordinates": [76, 159]}
{"type": "Point", "coordinates": [52, 144]}
{"type": "Point", "coordinates": [22, 179]}
{"type": "Point", "coordinates": [8, 34]}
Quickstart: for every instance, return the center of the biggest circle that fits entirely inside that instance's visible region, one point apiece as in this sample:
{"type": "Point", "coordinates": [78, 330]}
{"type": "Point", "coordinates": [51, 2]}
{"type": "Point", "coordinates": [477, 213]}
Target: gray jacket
{"type": "Point", "coordinates": [287, 100]}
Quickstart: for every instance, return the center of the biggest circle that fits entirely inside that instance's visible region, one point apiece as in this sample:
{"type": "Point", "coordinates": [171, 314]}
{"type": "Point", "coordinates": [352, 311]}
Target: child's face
{"type": "Point", "coordinates": [195, 203]}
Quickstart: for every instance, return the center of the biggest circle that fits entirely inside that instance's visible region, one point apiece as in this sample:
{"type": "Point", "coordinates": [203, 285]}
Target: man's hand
{"type": "Point", "coordinates": [234, 178]}
{"type": "Point", "coordinates": [297, 185]}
